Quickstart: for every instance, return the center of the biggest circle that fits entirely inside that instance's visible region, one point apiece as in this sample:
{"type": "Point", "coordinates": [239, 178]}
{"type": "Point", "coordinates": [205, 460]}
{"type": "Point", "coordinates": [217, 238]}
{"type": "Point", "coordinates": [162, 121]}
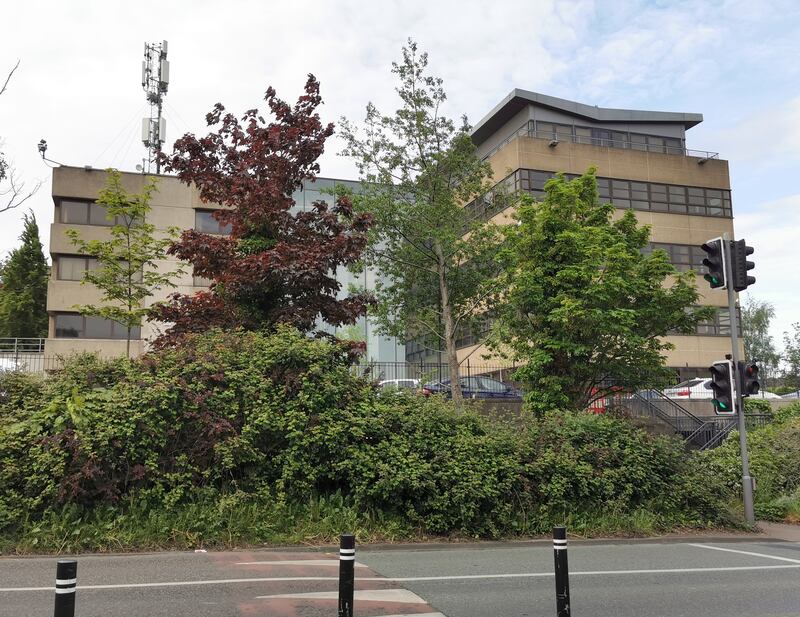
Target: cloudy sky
{"type": "Point", "coordinates": [735, 61]}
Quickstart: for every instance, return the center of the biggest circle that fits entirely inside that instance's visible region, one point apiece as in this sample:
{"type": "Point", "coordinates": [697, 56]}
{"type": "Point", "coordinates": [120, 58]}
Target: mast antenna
{"type": "Point", "coordinates": [155, 81]}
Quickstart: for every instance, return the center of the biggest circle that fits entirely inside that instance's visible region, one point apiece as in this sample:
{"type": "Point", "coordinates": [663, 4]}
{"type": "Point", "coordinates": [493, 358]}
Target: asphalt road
{"type": "Point", "coordinates": [746, 579]}
{"type": "Point", "coordinates": [698, 579]}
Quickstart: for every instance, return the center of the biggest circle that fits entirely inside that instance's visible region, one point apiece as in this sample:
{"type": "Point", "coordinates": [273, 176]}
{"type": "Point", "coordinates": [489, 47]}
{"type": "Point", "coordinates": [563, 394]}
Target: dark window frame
{"type": "Point", "coordinates": [117, 331]}
{"type": "Point", "coordinates": [220, 227]}
{"type": "Point", "coordinates": [88, 210]}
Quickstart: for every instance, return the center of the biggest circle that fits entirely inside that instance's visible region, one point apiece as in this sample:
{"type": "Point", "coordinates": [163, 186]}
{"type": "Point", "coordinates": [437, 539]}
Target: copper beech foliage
{"type": "Point", "coordinates": [278, 264]}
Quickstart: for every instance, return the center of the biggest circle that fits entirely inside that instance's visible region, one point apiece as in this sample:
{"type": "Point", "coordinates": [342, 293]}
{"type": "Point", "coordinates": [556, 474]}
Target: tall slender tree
{"type": "Point", "coordinates": [128, 269]}
{"type": "Point", "coordinates": [758, 344]}
{"type": "Point", "coordinates": [278, 265]}
{"type": "Point", "coordinates": [420, 172]}
{"type": "Point", "coordinates": [23, 286]}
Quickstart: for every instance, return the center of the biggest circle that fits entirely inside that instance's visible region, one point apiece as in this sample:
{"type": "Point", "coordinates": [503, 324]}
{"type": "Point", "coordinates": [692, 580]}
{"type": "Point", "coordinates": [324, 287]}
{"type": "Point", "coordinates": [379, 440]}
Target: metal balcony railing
{"type": "Point", "coordinates": [555, 138]}
{"type": "Point", "coordinates": [21, 345]}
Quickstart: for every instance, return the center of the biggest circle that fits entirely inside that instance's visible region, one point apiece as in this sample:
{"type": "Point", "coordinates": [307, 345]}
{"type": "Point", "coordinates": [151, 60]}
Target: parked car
{"type": "Point", "coordinates": [700, 388]}
{"type": "Point", "coordinates": [474, 387]}
{"type": "Point", "coordinates": [400, 385]}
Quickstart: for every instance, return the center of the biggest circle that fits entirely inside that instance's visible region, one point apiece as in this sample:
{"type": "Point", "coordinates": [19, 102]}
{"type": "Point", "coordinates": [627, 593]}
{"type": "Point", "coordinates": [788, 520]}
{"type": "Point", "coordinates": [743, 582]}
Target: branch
{"type": "Point", "coordinates": [16, 192]}
{"type": "Point", "coordinates": [5, 85]}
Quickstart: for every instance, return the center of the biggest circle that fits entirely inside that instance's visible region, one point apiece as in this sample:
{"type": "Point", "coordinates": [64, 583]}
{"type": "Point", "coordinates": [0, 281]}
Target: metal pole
{"type": "Point", "coordinates": [562, 571]}
{"type": "Point", "coordinates": [747, 481]}
{"type": "Point", "coordinates": [347, 558]}
{"type": "Point", "coordinates": [66, 581]}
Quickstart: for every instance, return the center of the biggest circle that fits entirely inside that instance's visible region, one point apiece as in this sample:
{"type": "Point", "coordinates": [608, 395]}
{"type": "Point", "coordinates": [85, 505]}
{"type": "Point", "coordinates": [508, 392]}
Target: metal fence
{"type": "Point", "coordinates": [29, 362]}
{"type": "Point", "coordinates": [434, 372]}
{"type": "Point", "coordinates": [21, 345]}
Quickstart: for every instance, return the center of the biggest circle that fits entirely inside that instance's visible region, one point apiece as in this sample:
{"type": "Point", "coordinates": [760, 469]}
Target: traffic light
{"type": "Point", "coordinates": [740, 265]}
{"type": "Point", "coordinates": [722, 385]}
{"type": "Point", "coordinates": [748, 378]}
{"type": "Point", "coordinates": [715, 263]}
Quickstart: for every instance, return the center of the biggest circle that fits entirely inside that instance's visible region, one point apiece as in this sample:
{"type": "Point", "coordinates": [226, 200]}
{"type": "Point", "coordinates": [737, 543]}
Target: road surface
{"type": "Point", "coordinates": [712, 578]}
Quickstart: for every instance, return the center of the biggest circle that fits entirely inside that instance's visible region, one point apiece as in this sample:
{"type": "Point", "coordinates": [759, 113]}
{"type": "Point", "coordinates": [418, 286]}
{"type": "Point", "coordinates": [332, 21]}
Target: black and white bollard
{"type": "Point", "coordinates": [66, 581]}
{"type": "Point", "coordinates": [347, 561]}
{"type": "Point", "coordinates": [562, 571]}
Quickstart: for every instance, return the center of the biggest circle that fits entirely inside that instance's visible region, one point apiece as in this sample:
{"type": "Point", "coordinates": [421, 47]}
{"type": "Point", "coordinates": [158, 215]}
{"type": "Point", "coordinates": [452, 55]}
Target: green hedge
{"type": "Point", "coordinates": [774, 452]}
{"type": "Point", "coordinates": [281, 423]}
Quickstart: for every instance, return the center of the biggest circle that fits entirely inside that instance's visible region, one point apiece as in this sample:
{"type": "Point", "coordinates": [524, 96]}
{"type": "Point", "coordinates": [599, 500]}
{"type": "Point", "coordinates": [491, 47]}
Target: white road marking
{"type": "Point", "coordinates": [297, 562]}
{"type": "Point", "coordinates": [231, 581]}
{"type": "Point", "coordinates": [586, 573]}
{"type": "Point", "coordinates": [732, 550]}
{"type": "Point", "coordinates": [374, 595]}
{"type": "Point", "coordinates": [418, 615]}
{"type": "Point", "coordinates": [222, 581]}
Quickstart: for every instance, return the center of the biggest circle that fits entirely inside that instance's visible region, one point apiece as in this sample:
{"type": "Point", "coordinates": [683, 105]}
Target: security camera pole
{"type": "Point", "coordinates": [747, 481]}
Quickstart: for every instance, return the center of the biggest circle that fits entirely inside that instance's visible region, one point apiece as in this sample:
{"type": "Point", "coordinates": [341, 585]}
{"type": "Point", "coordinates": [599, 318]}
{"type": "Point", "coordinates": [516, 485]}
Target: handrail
{"type": "Point", "coordinates": [720, 436]}
{"type": "Point", "coordinates": [525, 131]}
{"type": "Point", "coordinates": [16, 345]}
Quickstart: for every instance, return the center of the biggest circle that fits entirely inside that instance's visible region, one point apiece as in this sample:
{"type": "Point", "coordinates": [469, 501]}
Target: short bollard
{"type": "Point", "coordinates": [347, 560]}
{"type": "Point", "coordinates": [66, 581]}
{"type": "Point", "coordinates": [562, 571]}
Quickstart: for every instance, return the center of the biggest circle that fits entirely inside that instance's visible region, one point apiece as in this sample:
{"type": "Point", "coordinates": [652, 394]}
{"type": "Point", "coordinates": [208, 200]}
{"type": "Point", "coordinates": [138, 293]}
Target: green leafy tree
{"type": "Point", "coordinates": [585, 310]}
{"type": "Point", "coordinates": [791, 356]}
{"type": "Point", "coordinates": [758, 344]}
{"type": "Point", "coordinates": [23, 291]}
{"type": "Point", "coordinates": [419, 172]}
{"type": "Point", "coordinates": [127, 271]}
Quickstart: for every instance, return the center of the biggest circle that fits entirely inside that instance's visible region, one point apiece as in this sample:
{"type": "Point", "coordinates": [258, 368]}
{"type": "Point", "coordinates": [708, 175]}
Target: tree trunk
{"type": "Point", "coordinates": [449, 330]}
{"type": "Point", "coordinates": [128, 344]}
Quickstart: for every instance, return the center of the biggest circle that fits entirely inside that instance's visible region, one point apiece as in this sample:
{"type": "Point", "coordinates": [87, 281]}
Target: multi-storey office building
{"type": "Point", "coordinates": [642, 163]}
{"type": "Point", "coordinates": [173, 205]}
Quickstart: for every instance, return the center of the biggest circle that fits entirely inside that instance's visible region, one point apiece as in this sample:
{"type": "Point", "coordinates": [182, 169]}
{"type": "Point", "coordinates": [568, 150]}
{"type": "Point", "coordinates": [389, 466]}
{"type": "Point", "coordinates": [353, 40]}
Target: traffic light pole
{"type": "Point", "coordinates": [747, 481]}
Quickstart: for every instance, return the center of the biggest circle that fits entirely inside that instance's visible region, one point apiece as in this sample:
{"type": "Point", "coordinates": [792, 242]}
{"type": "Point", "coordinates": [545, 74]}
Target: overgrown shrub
{"type": "Point", "coordinates": [280, 421]}
{"type": "Point", "coordinates": [774, 452]}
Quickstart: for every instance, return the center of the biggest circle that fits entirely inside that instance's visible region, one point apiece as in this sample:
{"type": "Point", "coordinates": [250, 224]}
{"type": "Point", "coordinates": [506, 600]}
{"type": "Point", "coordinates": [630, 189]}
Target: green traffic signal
{"type": "Point", "coordinates": [714, 263]}
{"type": "Point", "coordinates": [722, 385]}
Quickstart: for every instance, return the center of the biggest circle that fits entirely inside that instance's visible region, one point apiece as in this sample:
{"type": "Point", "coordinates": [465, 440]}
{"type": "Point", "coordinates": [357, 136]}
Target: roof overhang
{"type": "Point", "coordinates": [518, 99]}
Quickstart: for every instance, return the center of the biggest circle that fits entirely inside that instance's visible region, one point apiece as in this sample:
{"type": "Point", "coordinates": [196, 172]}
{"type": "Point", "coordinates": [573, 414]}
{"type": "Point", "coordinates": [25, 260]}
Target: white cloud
{"type": "Point", "coordinates": [78, 83]}
{"type": "Point", "coordinates": [767, 139]}
{"type": "Point", "coordinates": [773, 229]}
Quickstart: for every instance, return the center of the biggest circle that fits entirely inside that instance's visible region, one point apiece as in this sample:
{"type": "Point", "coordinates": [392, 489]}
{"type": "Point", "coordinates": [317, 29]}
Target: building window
{"type": "Point", "coordinates": [608, 138]}
{"type": "Point", "coordinates": [204, 221]}
{"type": "Point", "coordinates": [69, 268]}
{"type": "Point", "coordinates": [201, 281]}
{"type": "Point", "coordinates": [683, 256]}
{"type": "Point", "coordinates": [718, 325]}
{"type": "Point", "coordinates": [72, 325]}
{"type": "Point", "coordinates": [647, 196]}
{"type": "Point", "coordinates": [73, 268]}
{"type": "Point", "coordinates": [79, 212]}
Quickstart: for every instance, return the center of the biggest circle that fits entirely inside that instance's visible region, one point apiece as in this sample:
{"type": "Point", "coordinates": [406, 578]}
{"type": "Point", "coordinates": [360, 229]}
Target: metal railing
{"type": "Point", "coordinates": [29, 362]}
{"type": "Point", "coordinates": [430, 371]}
{"type": "Point", "coordinates": [23, 354]}
{"type": "Point", "coordinates": [21, 345]}
{"type": "Point", "coordinates": [701, 433]}
{"type": "Point", "coordinates": [525, 131]}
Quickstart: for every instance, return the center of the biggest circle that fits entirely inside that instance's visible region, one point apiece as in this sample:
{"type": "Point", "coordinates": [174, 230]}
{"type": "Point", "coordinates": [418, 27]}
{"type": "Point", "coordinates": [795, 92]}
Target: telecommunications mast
{"type": "Point", "coordinates": [155, 80]}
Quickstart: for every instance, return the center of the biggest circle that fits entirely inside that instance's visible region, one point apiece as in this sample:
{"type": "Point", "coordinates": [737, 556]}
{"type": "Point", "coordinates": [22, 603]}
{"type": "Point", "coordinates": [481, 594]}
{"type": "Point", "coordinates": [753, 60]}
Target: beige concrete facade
{"type": "Point", "coordinates": [510, 138]}
{"type": "Point", "coordinates": [172, 205]}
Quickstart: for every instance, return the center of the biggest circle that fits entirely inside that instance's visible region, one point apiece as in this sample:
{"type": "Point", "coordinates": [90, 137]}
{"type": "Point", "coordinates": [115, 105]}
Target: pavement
{"type": "Point", "coordinates": [691, 575]}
